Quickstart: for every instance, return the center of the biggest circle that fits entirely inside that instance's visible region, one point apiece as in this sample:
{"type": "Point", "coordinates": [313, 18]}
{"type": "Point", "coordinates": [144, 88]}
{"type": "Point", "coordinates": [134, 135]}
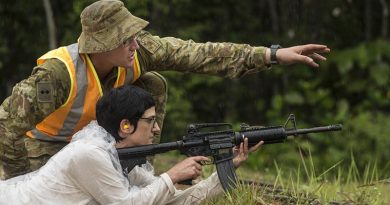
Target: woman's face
{"type": "Point", "coordinates": [147, 127]}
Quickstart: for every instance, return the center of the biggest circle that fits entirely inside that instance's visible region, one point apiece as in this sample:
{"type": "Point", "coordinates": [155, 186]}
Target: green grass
{"type": "Point", "coordinates": [340, 184]}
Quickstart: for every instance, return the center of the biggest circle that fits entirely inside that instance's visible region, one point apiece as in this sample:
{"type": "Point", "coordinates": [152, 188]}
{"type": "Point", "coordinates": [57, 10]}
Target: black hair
{"type": "Point", "coordinates": [126, 102]}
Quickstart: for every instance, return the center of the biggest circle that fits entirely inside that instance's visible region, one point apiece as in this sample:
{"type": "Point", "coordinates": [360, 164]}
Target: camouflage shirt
{"type": "Point", "coordinates": [21, 111]}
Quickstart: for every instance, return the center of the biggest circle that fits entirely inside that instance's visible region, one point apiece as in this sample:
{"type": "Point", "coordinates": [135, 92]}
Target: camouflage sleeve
{"type": "Point", "coordinates": [223, 59]}
{"type": "Point", "coordinates": [34, 98]}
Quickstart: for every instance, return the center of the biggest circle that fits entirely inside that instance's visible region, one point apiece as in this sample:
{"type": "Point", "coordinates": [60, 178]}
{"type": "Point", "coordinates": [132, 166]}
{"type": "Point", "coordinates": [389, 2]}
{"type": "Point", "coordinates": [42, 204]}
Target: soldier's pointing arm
{"type": "Point", "coordinates": [223, 59]}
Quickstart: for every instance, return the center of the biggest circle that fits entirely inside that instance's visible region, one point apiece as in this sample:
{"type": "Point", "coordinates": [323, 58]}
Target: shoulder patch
{"type": "Point", "coordinates": [149, 43]}
{"type": "Point", "coordinates": [45, 92]}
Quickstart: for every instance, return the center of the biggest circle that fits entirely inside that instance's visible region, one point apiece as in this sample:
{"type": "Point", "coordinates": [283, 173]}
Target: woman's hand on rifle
{"type": "Point", "coordinates": [241, 152]}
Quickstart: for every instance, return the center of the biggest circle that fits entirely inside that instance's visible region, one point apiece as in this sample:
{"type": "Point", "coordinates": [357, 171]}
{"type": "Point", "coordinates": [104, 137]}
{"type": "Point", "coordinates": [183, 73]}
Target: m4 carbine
{"type": "Point", "coordinates": [218, 144]}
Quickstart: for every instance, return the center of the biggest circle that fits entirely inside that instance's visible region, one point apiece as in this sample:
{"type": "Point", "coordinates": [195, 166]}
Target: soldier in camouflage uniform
{"type": "Point", "coordinates": [108, 26]}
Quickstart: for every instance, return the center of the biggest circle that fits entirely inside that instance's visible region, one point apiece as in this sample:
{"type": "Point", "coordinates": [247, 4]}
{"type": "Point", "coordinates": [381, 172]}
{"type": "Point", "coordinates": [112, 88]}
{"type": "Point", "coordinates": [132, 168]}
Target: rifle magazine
{"type": "Point", "coordinates": [226, 174]}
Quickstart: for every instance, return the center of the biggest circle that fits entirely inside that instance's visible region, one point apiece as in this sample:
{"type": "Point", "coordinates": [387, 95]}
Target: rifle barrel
{"type": "Point", "coordinates": [314, 129]}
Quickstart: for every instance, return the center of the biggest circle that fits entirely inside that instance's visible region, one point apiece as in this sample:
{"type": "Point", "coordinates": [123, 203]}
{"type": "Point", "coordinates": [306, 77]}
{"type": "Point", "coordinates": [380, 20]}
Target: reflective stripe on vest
{"type": "Point", "coordinates": [79, 108]}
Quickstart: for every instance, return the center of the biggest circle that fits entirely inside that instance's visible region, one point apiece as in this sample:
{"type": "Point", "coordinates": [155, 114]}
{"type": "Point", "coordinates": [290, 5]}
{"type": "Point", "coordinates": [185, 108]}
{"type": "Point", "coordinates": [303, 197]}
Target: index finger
{"type": "Point", "coordinates": [200, 158]}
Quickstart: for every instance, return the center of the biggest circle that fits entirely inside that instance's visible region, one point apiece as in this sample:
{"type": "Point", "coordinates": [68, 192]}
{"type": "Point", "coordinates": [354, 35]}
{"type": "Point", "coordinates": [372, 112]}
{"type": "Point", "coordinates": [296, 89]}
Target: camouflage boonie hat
{"type": "Point", "coordinates": [106, 24]}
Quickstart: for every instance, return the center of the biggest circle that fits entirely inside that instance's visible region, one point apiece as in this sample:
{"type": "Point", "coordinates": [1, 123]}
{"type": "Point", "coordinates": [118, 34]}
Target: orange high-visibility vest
{"type": "Point", "coordinates": [85, 90]}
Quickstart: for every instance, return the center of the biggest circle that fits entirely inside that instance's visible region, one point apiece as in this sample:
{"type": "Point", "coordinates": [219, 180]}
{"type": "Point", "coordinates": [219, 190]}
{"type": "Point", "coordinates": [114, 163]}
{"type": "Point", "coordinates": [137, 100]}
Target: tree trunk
{"type": "Point", "coordinates": [274, 17]}
{"type": "Point", "coordinates": [368, 17]}
{"type": "Point", "coordinates": [51, 27]}
{"type": "Point", "coordinates": [385, 18]}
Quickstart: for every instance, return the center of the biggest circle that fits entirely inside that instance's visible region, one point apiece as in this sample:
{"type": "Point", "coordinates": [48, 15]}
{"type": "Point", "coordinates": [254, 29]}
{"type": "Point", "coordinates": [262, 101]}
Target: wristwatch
{"type": "Point", "coordinates": [273, 59]}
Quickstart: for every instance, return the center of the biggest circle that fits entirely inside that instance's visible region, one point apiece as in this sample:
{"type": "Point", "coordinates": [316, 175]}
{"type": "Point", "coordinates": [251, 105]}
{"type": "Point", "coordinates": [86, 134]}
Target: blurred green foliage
{"type": "Point", "coordinates": [351, 88]}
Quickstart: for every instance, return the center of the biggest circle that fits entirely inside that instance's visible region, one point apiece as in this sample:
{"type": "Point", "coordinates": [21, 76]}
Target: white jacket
{"type": "Point", "coordinates": [87, 171]}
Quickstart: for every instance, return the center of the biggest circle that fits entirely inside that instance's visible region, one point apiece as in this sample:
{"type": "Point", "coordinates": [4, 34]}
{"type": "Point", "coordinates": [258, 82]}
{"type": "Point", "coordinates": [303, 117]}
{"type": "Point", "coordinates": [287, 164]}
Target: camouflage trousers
{"type": "Point", "coordinates": [27, 154]}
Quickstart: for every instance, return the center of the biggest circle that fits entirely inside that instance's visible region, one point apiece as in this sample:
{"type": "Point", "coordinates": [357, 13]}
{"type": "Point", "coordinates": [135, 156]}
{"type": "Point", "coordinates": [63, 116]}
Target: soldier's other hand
{"type": "Point", "coordinates": [241, 152]}
{"type": "Point", "coordinates": [189, 168]}
{"type": "Point", "coordinates": [305, 54]}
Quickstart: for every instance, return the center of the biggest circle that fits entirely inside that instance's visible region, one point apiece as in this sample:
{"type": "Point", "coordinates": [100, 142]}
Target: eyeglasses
{"type": "Point", "coordinates": [149, 120]}
{"type": "Point", "coordinates": [128, 41]}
